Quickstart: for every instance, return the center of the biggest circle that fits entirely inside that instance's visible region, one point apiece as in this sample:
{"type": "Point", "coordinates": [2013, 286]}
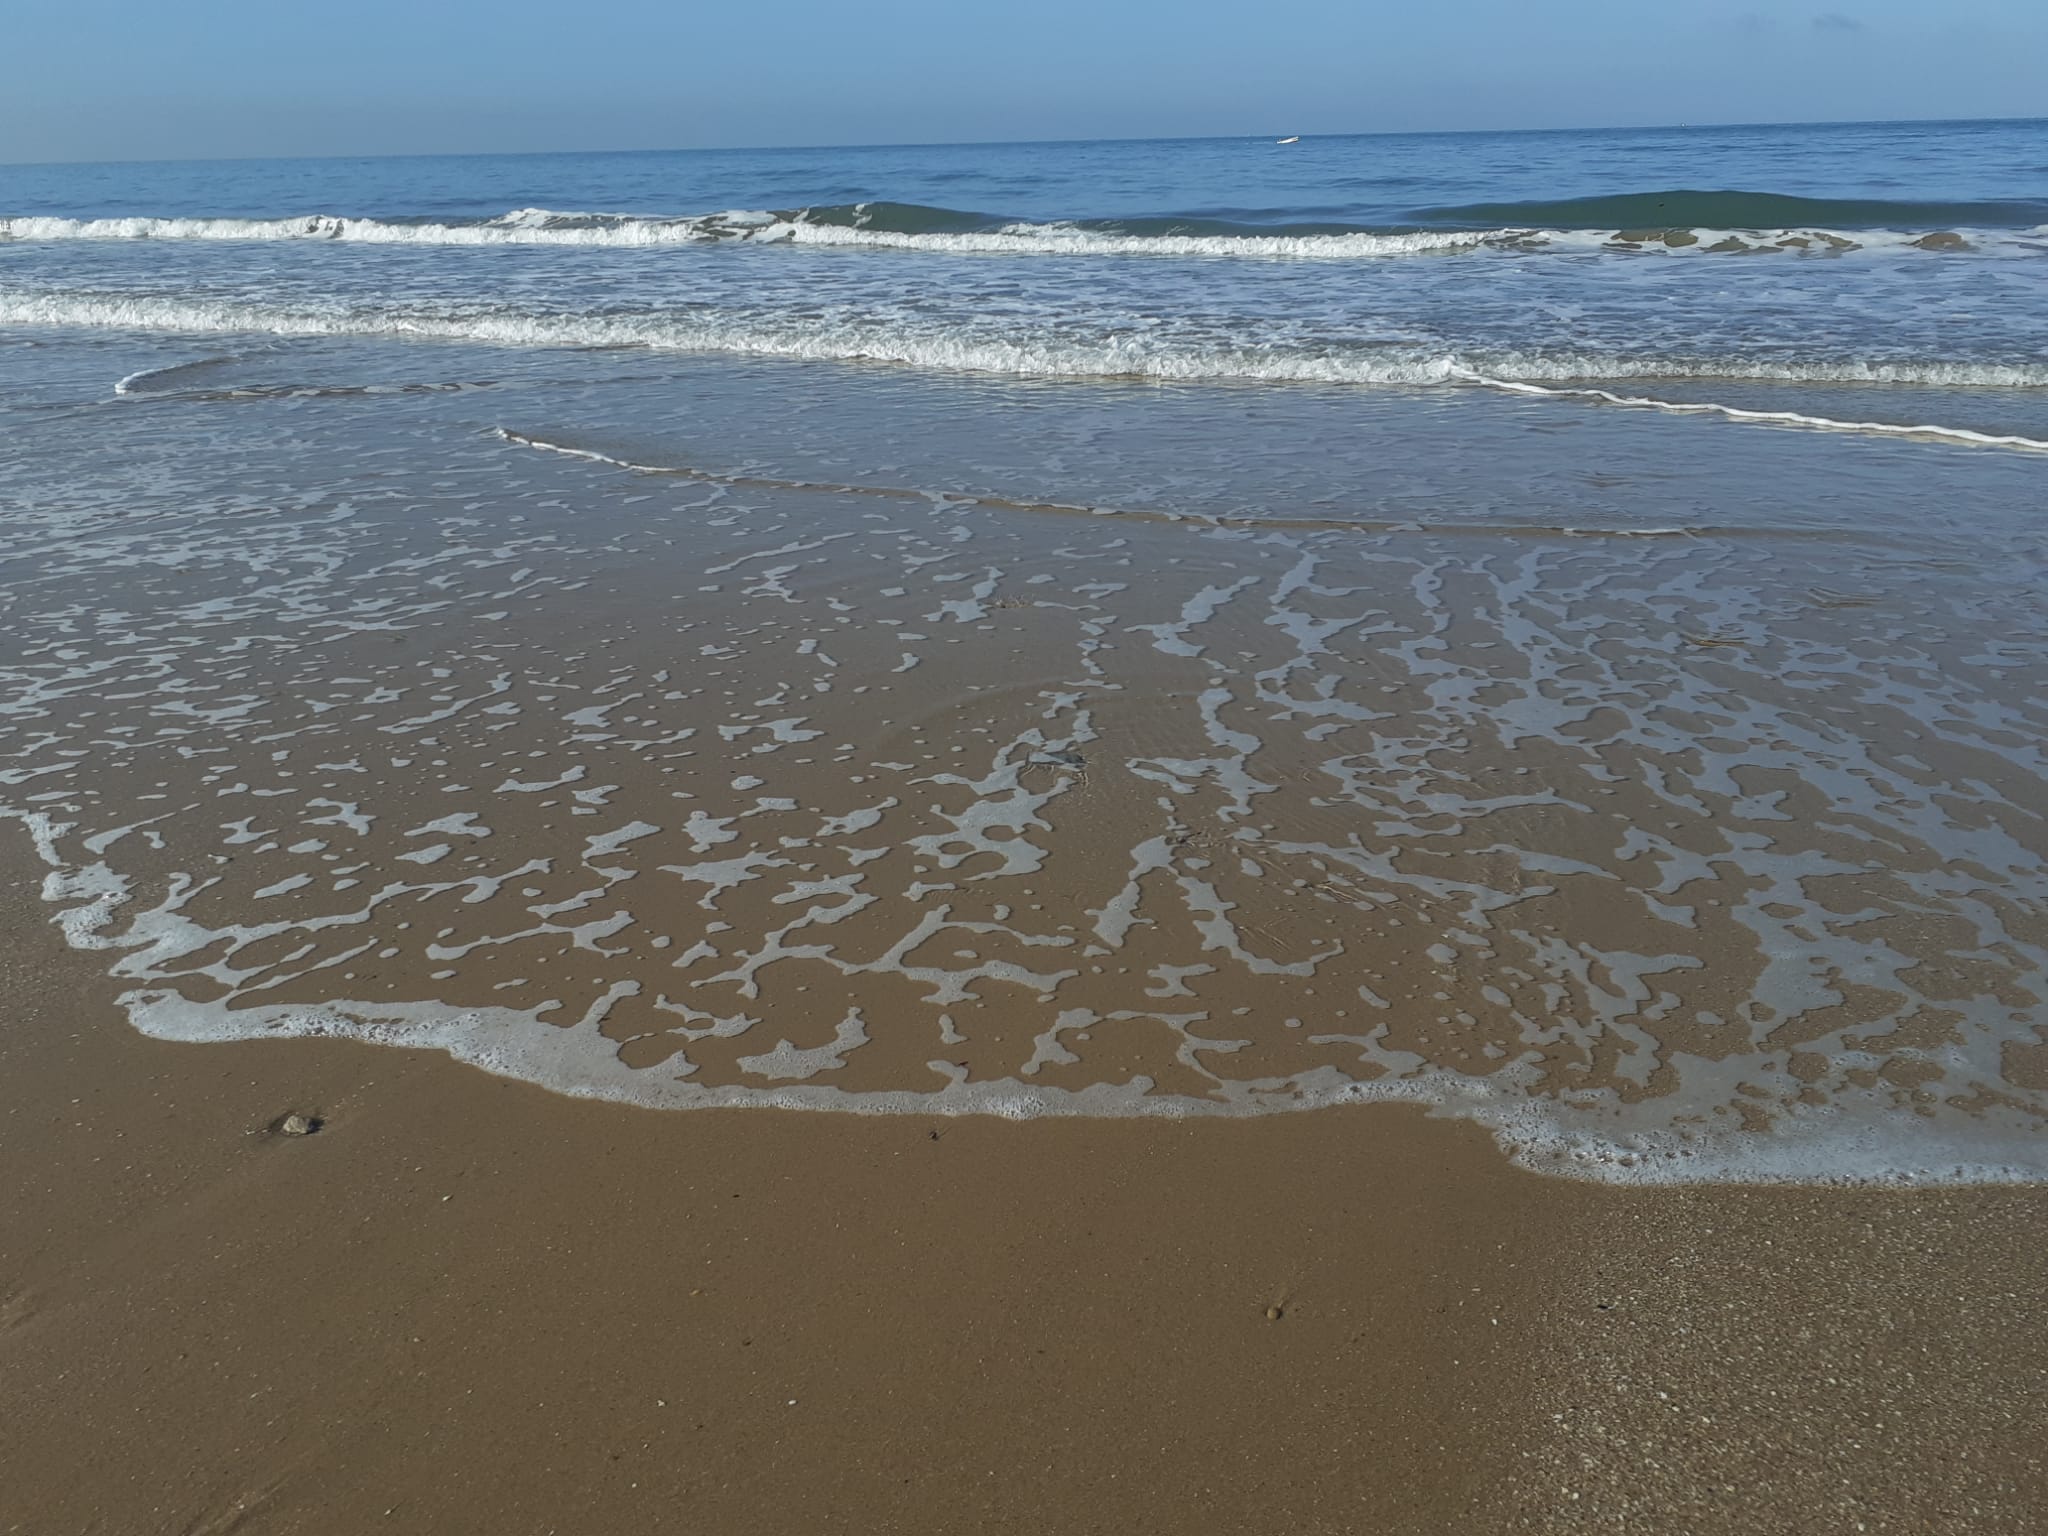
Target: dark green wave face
{"type": "Point", "coordinates": [1683, 209]}
{"type": "Point", "coordinates": [918, 219]}
{"type": "Point", "coordinates": [899, 218]}
{"type": "Point", "coordinates": [1647, 211]}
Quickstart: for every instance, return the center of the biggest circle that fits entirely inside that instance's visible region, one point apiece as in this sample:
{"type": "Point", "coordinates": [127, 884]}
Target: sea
{"type": "Point", "coordinates": [1547, 625]}
{"type": "Point", "coordinates": [1905, 255]}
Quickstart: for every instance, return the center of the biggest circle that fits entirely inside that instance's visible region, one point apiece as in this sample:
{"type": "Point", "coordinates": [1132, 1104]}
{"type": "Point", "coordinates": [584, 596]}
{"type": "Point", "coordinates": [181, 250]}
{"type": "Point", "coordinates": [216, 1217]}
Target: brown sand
{"type": "Point", "coordinates": [467, 1305]}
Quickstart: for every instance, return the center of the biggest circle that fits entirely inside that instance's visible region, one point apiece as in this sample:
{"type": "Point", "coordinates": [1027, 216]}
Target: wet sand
{"type": "Point", "coordinates": [468, 1305]}
{"type": "Point", "coordinates": [700, 793]}
{"type": "Point", "coordinates": [1140, 867]}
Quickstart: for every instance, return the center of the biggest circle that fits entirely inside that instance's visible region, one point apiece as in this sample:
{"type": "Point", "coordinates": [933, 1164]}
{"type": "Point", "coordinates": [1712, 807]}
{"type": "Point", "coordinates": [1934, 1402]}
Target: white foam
{"type": "Point", "coordinates": [1110, 356]}
{"type": "Point", "coordinates": [1069, 240]}
{"type": "Point", "coordinates": [1821, 1148]}
{"type": "Point", "coordinates": [545, 227]}
{"type": "Point", "coordinates": [542, 227]}
{"type": "Point", "coordinates": [1774, 418]}
{"type": "Point", "coordinates": [1587, 1134]}
{"type": "Point", "coordinates": [787, 1061]}
{"type": "Point", "coordinates": [605, 843]}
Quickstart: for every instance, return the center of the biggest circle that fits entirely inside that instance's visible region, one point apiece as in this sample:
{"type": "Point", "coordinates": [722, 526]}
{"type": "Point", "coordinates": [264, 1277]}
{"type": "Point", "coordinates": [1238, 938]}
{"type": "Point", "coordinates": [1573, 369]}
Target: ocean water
{"type": "Point", "coordinates": [1906, 255]}
{"type": "Point", "coordinates": [1545, 625]}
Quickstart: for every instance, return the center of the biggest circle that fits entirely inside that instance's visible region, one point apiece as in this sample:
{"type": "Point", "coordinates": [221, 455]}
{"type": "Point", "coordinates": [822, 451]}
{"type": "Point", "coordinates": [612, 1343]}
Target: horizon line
{"type": "Point", "coordinates": [744, 149]}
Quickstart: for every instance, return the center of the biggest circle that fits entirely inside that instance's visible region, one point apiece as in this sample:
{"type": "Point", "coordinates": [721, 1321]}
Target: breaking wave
{"type": "Point", "coordinates": [885, 225]}
{"type": "Point", "coordinates": [938, 345]}
{"type": "Point", "coordinates": [1561, 374]}
{"type": "Point", "coordinates": [1668, 223]}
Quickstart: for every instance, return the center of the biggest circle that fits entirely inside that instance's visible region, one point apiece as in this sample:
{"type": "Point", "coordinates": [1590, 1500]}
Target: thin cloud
{"type": "Point", "coordinates": [1835, 21]}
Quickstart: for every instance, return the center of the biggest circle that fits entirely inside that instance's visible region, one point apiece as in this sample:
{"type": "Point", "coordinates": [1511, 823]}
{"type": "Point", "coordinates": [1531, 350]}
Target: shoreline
{"type": "Point", "coordinates": [468, 1304]}
{"type": "Point", "coordinates": [1624, 854]}
{"type": "Point", "coordinates": [740, 788]}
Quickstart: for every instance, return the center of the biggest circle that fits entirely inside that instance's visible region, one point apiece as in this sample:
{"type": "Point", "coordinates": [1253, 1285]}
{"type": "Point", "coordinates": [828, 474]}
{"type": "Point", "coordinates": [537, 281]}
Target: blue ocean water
{"type": "Point", "coordinates": [1360, 180]}
{"type": "Point", "coordinates": [1695, 267]}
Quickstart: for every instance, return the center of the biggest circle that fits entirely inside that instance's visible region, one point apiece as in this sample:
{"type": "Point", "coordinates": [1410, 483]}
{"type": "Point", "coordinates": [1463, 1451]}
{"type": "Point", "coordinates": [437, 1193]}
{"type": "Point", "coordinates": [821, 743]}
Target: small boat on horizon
{"type": "Point", "coordinates": [1293, 139]}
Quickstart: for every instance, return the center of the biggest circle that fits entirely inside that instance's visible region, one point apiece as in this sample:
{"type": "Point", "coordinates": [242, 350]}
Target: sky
{"type": "Point", "coordinates": [146, 79]}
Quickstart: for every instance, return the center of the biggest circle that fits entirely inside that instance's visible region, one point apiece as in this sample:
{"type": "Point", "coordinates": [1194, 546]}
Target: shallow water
{"type": "Point", "coordinates": [1664, 792]}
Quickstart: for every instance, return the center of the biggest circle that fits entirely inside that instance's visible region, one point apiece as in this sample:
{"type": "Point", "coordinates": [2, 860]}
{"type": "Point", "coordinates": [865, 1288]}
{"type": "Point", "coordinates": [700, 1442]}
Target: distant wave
{"type": "Point", "coordinates": [893, 226]}
{"type": "Point", "coordinates": [1669, 223]}
{"type": "Point", "coordinates": [1682, 209]}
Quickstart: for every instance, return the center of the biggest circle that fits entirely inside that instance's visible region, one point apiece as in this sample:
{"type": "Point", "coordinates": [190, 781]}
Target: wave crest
{"type": "Point", "coordinates": [938, 347]}
{"type": "Point", "coordinates": [1681, 227]}
{"type": "Point", "coordinates": [942, 346]}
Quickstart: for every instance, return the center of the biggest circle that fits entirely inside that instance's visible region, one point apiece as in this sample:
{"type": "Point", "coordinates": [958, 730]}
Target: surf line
{"type": "Point", "coordinates": [1741, 414]}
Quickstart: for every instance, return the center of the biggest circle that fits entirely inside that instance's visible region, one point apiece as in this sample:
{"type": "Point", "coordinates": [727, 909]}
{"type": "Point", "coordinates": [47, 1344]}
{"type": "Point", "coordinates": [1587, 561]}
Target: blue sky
{"type": "Point", "coordinates": [121, 79]}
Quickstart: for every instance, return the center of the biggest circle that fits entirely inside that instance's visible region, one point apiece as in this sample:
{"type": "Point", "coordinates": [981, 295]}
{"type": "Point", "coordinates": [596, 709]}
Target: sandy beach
{"type": "Point", "coordinates": [847, 1006]}
{"type": "Point", "coordinates": [468, 1305]}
